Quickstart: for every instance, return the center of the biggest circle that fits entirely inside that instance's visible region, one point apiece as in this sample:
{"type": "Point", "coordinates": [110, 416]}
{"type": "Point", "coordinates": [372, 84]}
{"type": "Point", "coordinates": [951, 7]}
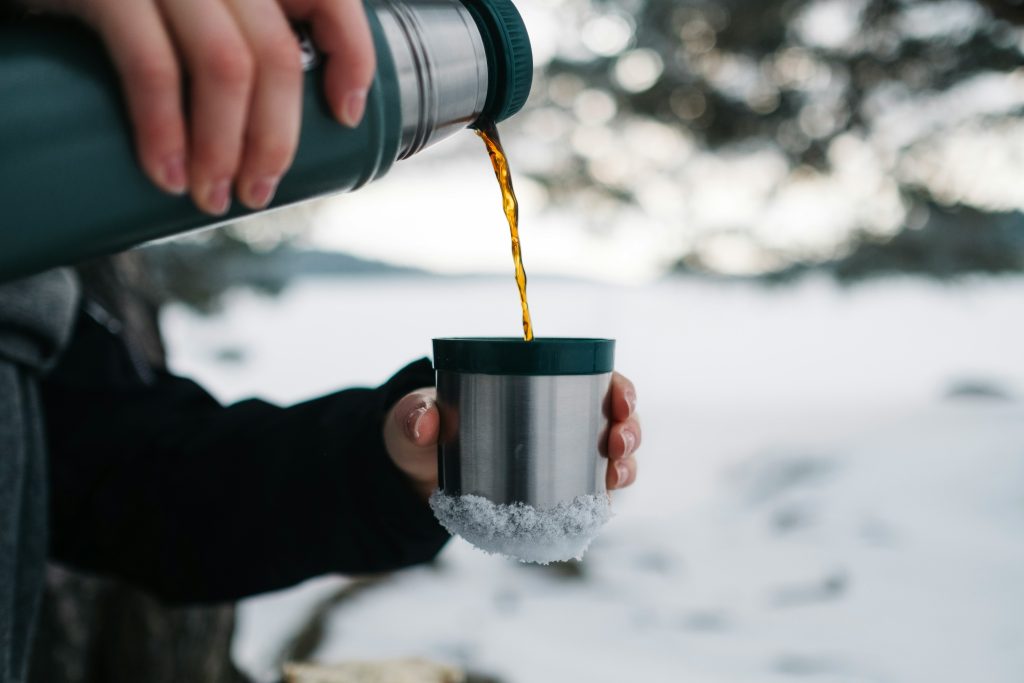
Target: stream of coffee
{"type": "Point", "coordinates": [488, 132]}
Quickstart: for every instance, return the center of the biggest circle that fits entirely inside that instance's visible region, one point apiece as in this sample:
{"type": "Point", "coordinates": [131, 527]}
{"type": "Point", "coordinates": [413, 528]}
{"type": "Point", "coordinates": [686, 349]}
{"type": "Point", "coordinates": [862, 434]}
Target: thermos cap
{"type": "Point", "coordinates": [513, 356]}
{"type": "Point", "coordinates": [509, 56]}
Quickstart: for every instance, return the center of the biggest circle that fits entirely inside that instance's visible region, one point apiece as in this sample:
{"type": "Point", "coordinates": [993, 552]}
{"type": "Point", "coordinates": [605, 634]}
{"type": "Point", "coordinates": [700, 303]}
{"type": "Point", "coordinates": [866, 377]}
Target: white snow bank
{"type": "Point", "coordinates": [809, 505]}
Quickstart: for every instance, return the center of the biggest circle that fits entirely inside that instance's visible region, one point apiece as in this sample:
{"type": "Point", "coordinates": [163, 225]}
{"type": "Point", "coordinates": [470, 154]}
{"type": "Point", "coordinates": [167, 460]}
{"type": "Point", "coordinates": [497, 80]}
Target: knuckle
{"type": "Point", "coordinates": [152, 72]}
{"type": "Point", "coordinates": [228, 63]}
{"type": "Point", "coordinates": [368, 69]}
{"type": "Point", "coordinates": [271, 153]}
{"type": "Point", "coordinates": [155, 134]}
{"type": "Point", "coordinates": [99, 13]}
{"type": "Point", "coordinates": [215, 160]}
{"type": "Point", "coordinates": [281, 55]}
{"type": "Point", "coordinates": [279, 156]}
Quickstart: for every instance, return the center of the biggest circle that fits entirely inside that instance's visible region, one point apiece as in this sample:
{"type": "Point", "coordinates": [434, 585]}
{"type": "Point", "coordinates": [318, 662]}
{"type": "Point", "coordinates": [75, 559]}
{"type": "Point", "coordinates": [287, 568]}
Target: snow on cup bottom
{"type": "Point", "coordinates": [522, 531]}
{"type": "Point", "coordinates": [519, 465]}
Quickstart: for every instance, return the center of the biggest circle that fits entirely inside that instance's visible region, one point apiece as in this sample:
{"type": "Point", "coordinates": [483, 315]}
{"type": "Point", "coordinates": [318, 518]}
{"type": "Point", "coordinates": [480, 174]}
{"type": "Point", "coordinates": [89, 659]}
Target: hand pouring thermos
{"type": "Point", "coordinates": [70, 185]}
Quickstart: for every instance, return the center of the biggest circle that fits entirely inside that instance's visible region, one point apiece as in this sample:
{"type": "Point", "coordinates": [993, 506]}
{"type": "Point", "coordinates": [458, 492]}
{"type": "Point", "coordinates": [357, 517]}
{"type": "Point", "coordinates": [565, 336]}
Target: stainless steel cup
{"type": "Point", "coordinates": [521, 422]}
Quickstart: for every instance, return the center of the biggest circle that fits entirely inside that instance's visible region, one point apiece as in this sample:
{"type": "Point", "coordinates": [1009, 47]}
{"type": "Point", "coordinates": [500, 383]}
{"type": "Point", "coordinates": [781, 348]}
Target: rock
{"type": "Point", "coordinates": [394, 671]}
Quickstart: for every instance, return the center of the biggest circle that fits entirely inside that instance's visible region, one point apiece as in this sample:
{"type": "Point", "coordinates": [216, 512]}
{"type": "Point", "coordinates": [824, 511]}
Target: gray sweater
{"type": "Point", "coordinates": [36, 317]}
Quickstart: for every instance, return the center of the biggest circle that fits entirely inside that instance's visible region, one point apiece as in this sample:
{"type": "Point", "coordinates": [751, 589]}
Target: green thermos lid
{"type": "Point", "coordinates": [509, 57]}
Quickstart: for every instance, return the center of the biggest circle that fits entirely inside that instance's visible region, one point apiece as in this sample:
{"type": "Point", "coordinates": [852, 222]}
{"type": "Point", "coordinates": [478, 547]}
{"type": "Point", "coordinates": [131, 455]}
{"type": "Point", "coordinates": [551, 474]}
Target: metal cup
{"type": "Point", "coordinates": [521, 422]}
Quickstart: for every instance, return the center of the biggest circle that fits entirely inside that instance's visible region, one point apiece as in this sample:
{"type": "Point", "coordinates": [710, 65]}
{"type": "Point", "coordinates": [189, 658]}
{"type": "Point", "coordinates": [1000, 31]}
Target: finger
{"type": "Point", "coordinates": [275, 111]}
{"type": "Point", "coordinates": [143, 54]}
{"type": "Point", "coordinates": [342, 32]}
{"type": "Point", "coordinates": [221, 68]}
{"type": "Point", "coordinates": [621, 473]}
{"type": "Point", "coordinates": [624, 439]}
{"type": "Point", "coordinates": [410, 436]}
{"type": "Point", "coordinates": [418, 418]}
{"type": "Point", "coordinates": [623, 398]}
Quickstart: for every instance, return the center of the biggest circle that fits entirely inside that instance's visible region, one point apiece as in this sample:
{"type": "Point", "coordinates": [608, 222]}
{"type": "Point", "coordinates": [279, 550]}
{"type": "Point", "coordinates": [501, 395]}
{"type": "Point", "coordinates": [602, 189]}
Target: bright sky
{"type": "Point", "coordinates": [441, 209]}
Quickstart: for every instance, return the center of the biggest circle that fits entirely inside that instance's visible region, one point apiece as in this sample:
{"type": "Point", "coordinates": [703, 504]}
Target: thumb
{"type": "Point", "coordinates": [410, 435]}
{"type": "Point", "coordinates": [417, 419]}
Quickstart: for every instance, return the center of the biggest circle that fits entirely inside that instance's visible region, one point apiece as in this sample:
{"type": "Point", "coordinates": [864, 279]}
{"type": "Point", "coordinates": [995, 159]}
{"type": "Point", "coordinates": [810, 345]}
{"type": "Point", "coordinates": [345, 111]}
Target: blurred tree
{"type": "Point", "coordinates": [793, 76]}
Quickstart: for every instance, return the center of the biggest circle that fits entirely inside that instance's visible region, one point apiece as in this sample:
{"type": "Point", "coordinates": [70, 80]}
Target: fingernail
{"type": "Point", "coordinates": [623, 473]}
{"type": "Point", "coordinates": [174, 176]}
{"type": "Point", "coordinates": [353, 107]}
{"type": "Point", "coordinates": [630, 397]}
{"type": "Point", "coordinates": [218, 199]}
{"type": "Point", "coordinates": [628, 441]}
{"type": "Point", "coordinates": [262, 191]}
{"type": "Point", "coordinates": [412, 423]}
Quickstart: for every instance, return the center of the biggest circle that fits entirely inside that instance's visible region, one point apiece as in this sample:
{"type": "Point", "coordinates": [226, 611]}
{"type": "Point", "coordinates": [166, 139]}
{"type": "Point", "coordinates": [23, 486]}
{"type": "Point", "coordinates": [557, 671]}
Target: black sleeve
{"type": "Point", "coordinates": [157, 483]}
{"type": "Point", "coordinates": [10, 10]}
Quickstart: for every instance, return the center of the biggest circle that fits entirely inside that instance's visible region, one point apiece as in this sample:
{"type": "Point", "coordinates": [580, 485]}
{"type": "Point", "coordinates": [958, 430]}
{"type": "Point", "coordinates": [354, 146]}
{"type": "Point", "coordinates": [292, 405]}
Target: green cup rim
{"type": "Point", "coordinates": [515, 356]}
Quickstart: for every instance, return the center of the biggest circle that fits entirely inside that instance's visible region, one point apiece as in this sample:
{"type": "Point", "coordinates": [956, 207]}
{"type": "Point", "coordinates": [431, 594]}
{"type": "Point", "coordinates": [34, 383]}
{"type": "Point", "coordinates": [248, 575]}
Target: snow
{"type": "Point", "coordinates": [811, 503]}
{"type": "Point", "coordinates": [521, 531]}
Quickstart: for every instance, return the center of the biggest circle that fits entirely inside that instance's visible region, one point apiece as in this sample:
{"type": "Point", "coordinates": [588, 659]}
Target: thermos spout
{"type": "Point", "coordinates": [456, 61]}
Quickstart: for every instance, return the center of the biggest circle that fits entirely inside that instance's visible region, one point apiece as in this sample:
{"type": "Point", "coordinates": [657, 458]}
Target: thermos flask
{"type": "Point", "coordinates": [70, 185]}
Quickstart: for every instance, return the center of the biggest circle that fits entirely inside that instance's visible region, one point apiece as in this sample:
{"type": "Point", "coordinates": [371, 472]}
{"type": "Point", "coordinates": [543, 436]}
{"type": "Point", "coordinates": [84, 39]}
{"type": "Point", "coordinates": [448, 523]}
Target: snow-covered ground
{"type": "Point", "coordinates": [812, 505]}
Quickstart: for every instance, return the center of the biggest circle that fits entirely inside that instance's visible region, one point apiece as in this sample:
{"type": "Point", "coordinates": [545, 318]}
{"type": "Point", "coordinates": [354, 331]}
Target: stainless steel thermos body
{"type": "Point", "coordinates": [441, 67]}
{"type": "Point", "coordinates": [519, 427]}
{"type": "Point", "coordinates": [71, 187]}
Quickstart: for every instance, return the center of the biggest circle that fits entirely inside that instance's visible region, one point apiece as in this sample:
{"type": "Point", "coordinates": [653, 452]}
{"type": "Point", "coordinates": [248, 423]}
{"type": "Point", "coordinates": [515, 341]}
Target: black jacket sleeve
{"type": "Point", "coordinates": [155, 482]}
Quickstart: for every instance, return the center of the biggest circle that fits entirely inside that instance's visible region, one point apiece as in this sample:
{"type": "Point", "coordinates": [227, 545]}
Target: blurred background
{"type": "Point", "coordinates": [802, 221]}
